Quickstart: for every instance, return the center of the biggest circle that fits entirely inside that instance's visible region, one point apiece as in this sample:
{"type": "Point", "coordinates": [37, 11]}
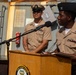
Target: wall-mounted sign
{"type": "Point", "coordinates": [22, 70]}
{"type": "Point", "coordinates": [19, 19]}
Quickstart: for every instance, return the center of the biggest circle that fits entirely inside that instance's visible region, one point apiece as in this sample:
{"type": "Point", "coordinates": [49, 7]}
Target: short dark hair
{"type": "Point", "coordinates": [72, 14]}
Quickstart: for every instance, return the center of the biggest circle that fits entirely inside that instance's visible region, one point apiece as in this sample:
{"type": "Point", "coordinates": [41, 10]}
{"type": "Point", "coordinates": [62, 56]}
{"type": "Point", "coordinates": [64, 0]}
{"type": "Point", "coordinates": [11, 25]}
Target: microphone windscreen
{"type": "Point", "coordinates": [48, 23]}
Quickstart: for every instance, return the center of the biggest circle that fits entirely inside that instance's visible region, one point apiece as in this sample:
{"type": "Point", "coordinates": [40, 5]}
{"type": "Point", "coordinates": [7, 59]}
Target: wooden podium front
{"type": "Point", "coordinates": [38, 64]}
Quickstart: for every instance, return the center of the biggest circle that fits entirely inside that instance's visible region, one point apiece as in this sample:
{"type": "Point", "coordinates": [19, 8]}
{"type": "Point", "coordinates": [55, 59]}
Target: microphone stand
{"type": "Point", "coordinates": [9, 40]}
{"type": "Point", "coordinates": [47, 24]}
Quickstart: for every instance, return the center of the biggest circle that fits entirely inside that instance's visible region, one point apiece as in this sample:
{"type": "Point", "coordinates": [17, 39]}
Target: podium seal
{"type": "Point", "coordinates": [22, 70]}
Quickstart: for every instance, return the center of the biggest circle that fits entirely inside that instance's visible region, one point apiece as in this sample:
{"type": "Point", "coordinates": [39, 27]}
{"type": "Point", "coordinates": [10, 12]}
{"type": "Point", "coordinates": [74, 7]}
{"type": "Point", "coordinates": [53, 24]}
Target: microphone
{"type": "Point", "coordinates": [47, 24]}
{"type": "Point", "coordinates": [52, 5]}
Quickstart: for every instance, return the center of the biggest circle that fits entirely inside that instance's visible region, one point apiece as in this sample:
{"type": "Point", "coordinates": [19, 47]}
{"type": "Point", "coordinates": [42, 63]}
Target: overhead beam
{"type": "Point", "coordinates": [27, 0]}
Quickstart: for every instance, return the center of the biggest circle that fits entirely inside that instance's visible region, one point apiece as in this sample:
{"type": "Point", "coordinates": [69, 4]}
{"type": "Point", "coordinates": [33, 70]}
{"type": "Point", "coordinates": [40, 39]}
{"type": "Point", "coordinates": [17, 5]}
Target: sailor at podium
{"type": "Point", "coordinates": [66, 36]}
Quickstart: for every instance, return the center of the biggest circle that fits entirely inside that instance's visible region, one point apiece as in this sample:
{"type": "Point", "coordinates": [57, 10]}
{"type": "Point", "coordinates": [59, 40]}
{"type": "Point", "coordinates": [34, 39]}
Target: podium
{"type": "Point", "coordinates": [21, 63]}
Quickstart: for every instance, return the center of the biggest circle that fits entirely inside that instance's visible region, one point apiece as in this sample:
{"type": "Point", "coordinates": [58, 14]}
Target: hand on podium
{"type": "Point", "coordinates": [27, 51]}
{"type": "Point", "coordinates": [52, 53]}
{"type": "Point", "coordinates": [30, 52]}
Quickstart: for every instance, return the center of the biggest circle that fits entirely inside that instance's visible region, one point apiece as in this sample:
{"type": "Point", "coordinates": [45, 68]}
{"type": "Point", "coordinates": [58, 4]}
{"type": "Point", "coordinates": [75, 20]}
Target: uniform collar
{"type": "Point", "coordinates": [73, 29]}
{"type": "Point", "coordinates": [41, 23]}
